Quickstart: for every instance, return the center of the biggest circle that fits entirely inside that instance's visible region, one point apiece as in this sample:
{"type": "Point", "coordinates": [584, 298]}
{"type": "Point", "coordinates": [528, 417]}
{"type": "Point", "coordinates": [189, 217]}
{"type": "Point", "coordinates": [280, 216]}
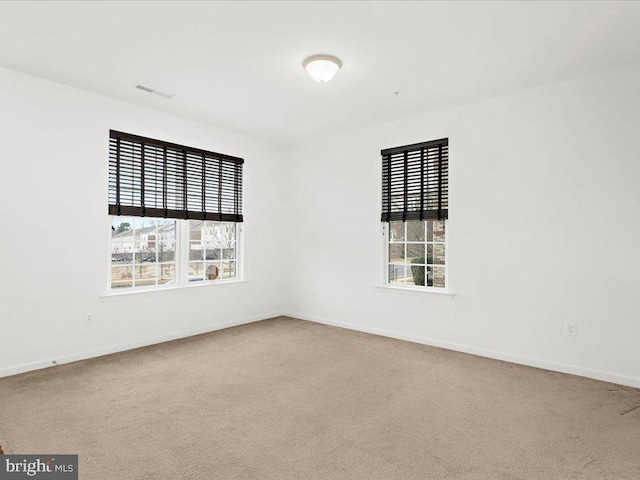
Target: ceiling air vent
{"type": "Point", "coordinates": [155, 92]}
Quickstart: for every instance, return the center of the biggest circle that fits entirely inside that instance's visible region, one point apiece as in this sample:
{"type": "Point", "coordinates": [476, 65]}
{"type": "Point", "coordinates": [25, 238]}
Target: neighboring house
{"type": "Point", "coordinates": [146, 238]}
{"type": "Point", "coordinates": [211, 232]}
{"type": "Point", "coordinates": [122, 242]}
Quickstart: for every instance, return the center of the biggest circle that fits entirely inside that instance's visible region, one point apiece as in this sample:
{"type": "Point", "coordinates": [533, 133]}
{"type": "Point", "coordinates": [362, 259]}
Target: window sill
{"type": "Point", "coordinates": [435, 293]}
{"type": "Point", "coordinates": [111, 296]}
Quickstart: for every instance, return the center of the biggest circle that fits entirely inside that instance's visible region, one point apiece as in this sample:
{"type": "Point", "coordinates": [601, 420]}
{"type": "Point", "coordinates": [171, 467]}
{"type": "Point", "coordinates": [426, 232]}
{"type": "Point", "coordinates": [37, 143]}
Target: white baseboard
{"type": "Point", "coordinates": [531, 362]}
{"type": "Point", "coordinates": [27, 367]}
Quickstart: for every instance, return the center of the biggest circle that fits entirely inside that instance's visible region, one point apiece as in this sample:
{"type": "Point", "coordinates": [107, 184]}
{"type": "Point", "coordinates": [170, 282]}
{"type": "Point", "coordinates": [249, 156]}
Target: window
{"type": "Point", "coordinates": [213, 250]}
{"type": "Point", "coordinates": [143, 252]}
{"type": "Point", "coordinates": [415, 183]}
{"type": "Point", "coordinates": [151, 252]}
{"type": "Point", "coordinates": [417, 253]}
{"type": "Point", "coordinates": [176, 214]}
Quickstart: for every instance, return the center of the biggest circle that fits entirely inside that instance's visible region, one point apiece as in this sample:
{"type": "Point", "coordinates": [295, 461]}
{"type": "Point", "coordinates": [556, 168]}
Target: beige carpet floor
{"type": "Point", "coordinates": [287, 399]}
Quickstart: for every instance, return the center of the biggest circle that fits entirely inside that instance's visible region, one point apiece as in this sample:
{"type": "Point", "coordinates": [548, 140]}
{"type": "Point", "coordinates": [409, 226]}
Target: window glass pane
{"type": "Point", "coordinates": [195, 229]}
{"type": "Point", "coordinates": [166, 251]}
{"type": "Point", "coordinates": [438, 230]}
{"type": "Point", "coordinates": [213, 271]}
{"type": "Point", "coordinates": [211, 245]}
{"type": "Point", "coordinates": [415, 231]}
{"type": "Point", "coordinates": [145, 275]}
{"type": "Point", "coordinates": [396, 252]}
{"type": "Point", "coordinates": [229, 252]}
{"type": "Point", "coordinates": [417, 275]}
{"type": "Point", "coordinates": [429, 255]}
{"type": "Point", "coordinates": [212, 231]}
{"type": "Point", "coordinates": [438, 254]}
{"type": "Point", "coordinates": [196, 271]}
{"type": "Point", "coordinates": [121, 224]}
{"type": "Point", "coordinates": [396, 231]}
{"type": "Point", "coordinates": [429, 277]}
{"type": "Point", "coordinates": [213, 253]}
{"type": "Point", "coordinates": [415, 253]}
{"type": "Point", "coordinates": [166, 273]}
{"type": "Point", "coordinates": [166, 242]}
{"type": "Point", "coordinates": [438, 277]}
{"type": "Point", "coordinates": [143, 255]}
{"type": "Point", "coordinates": [230, 231]}
{"type": "Point", "coordinates": [435, 231]}
{"type": "Point", "coordinates": [121, 276]}
{"type": "Point", "coordinates": [145, 241]}
{"type": "Point", "coordinates": [196, 251]}
{"type": "Point", "coordinates": [122, 254]}
{"type": "Point", "coordinates": [396, 273]}
{"type": "Point", "coordinates": [228, 270]}
{"type": "Point", "coordinates": [224, 232]}
{"type": "Point", "coordinates": [207, 231]}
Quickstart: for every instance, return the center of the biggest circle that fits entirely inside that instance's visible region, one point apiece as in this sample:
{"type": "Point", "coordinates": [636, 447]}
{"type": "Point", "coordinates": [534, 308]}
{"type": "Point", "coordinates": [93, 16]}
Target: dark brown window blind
{"type": "Point", "coordinates": [415, 182]}
{"type": "Point", "coordinates": [152, 178]}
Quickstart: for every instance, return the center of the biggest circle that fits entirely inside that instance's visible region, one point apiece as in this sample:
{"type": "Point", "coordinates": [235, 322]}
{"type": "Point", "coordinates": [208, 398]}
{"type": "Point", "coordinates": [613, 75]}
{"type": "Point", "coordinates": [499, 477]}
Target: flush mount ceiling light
{"type": "Point", "coordinates": [322, 68]}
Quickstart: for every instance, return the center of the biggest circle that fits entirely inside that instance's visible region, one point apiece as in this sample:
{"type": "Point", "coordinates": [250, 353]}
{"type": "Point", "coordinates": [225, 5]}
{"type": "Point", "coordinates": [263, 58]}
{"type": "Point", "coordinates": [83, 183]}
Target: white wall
{"type": "Point", "coordinates": [544, 227]}
{"type": "Point", "coordinates": [54, 250]}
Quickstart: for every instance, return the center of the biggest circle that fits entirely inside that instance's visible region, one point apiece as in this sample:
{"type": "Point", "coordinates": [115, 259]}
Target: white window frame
{"type": "Point", "coordinates": [181, 262]}
{"type": "Point", "coordinates": [384, 274]}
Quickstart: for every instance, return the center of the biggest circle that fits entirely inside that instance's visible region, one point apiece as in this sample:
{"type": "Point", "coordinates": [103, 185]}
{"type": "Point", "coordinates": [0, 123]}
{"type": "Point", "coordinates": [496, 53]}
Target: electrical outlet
{"type": "Point", "coordinates": [570, 329]}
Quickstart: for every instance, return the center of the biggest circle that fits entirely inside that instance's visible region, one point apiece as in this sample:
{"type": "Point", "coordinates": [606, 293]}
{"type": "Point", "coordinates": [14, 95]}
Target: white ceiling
{"type": "Point", "coordinates": [238, 64]}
